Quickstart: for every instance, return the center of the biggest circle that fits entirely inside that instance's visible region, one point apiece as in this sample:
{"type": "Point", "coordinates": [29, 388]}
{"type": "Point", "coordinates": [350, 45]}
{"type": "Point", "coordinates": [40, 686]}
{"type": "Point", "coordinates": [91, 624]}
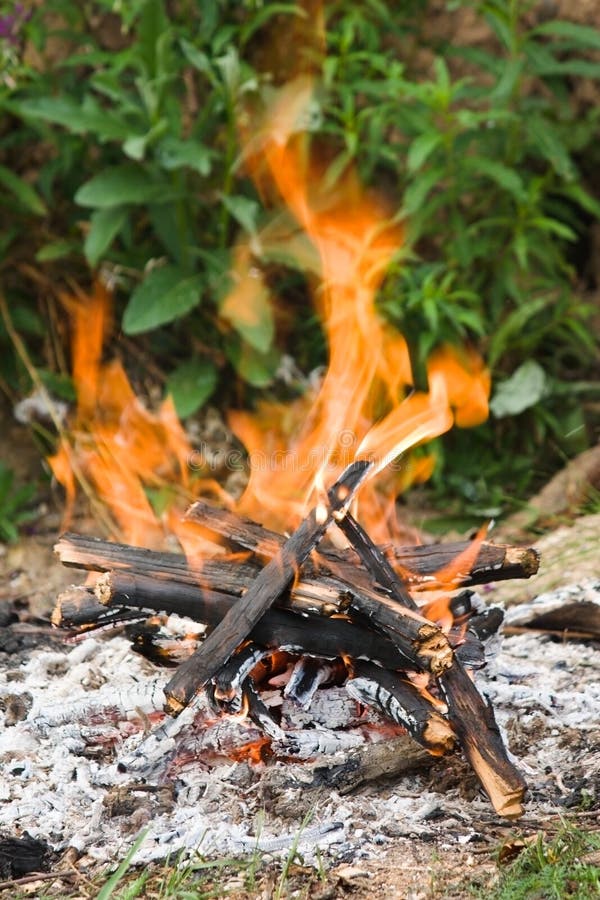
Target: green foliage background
{"type": "Point", "coordinates": [118, 149]}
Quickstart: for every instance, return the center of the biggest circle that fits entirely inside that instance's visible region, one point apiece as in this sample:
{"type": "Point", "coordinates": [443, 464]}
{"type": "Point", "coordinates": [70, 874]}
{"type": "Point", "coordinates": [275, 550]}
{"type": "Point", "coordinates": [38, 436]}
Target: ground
{"type": "Point", "coordinates": [446, 836]}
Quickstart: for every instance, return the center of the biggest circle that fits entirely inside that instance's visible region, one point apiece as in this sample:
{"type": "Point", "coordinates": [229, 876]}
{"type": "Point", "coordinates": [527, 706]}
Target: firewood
{"type": "Point", "coordinates": [375, 562]}
{"type": "Point", "coordinates": [494, 562]}
{"type": "Point", "coordinates": [271, 581]}
{"type": "Point", "coordinates": [78, 607]}
{"type": "Point", "coordinates": [317, 635]}
{"type": "Point", "coordinates": [388, 759]}
{"type": "Point", "coordinates": [309, 674]}
{"type": "Point", "coordinates": [475, 725]}
{"type": "Point", "coordinates": [402, 702]}
{"type": "Point", "coordinates": [419, 643]}
{"type": "Point", "coordinates": [419, 639]}
{"type": "Point", "coordinates": [480, 738]}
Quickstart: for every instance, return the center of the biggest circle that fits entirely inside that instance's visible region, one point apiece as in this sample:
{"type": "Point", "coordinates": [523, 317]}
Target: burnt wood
{"type": "Point", "coordinates": [268, 585]}
{"type": "Point", "coordinates": [475, 724]}
{"type": "Point", "coordinates": [278, 628]}
{"type": "Point", "coordinates": [375, 562]}
{"type": "Point", "coordinates": [398, 699]}
{"type": "Point", "coordinates": [418, 638]}
{"type": "Point", "coordinates": [494, 562]}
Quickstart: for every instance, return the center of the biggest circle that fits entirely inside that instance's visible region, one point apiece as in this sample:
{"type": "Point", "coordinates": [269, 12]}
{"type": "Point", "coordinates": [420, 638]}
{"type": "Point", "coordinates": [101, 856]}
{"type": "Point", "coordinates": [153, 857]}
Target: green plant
{"type": "Point", "coordinates": [479, 144]}
{"type": "Point", "coordinates": [14, 504]}
{"type": "Point", "coordinates": [554, 868]}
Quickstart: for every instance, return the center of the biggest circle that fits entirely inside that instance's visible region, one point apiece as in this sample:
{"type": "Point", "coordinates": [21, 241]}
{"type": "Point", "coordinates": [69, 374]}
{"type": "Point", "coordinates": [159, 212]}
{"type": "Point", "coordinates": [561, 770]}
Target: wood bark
{"type": "Point", "coordinates": [475, 724]}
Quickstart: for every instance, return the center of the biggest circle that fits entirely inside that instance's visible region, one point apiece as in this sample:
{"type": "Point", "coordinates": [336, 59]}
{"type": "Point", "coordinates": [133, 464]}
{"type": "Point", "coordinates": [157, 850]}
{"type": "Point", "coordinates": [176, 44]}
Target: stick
{"type": "Point", "coordinates": [494, 562]}
{"type": "Point", "coordinates": [399, 700]}
{"type": "Point", "coordinates": [389, 759]}
{"type": "Point", "coordinates": [480, 738]}
{"type": "Point", "coordinates": [421, 640]}
{"type": "Point", "coordinates": [316, 635]}
{"type": "Point", "coordinates": [375, 562]}
{"type": "Point", "coordinates": [276, 576]}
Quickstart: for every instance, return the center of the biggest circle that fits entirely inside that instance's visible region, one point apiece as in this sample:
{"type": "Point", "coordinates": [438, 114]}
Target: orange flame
{"type": "Point", "coordinates": [365, 405]}
{"type": "Point", "coordinates": [115, 444]}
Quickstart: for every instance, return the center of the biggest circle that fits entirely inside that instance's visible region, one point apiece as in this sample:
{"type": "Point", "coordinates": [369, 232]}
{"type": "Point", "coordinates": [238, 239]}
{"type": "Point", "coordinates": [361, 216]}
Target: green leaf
{"type": "Point", "coordinates": [27, 320]}
{"type": "Point", "coordinates": [543, 136]}
{"type": "Point", "coordinates": [175, 154]}
{"type": "Point", "coordinates": [105, 224]}
{"type": "Point", "coordinates": [256, 368]}
{"type": "Point", "coordinates": [198, 59]}
{"type": "Point", "coordinates": [248, 308]}
{"type": "Point", "coordinates": [506, 178]}
{"type": "Point", "coordinates": [135, 146]}
{"type": "Point", "coordinates": [108, 888]}
{"type": "Point", "coordinates": [514, 324]}
{"type": "Point", "coordinates": [123, 184]}
{"type": "Point", "coordinates": [585, 200]}
{"type": "Point", "coordinates": [75, 116]}
{"type": "Point", "coordinates": [545, 223]}
{"type": "Point", "coordinates": [191, 384]}
{"type": "Point", "coordinates": [521, 391]}
{"type": "Point", "coordinates": [581, 35]}
{"type": "Point", "coordinates": [164, 295]}
{"type": "Point", "coordinates": [416, 193]}
{"type": "Point", "coordinates": [56, 250]}
{"type": "Point", "coordinates": [421, 148]}
{"type": "Point", "coordinates": [243, 210]}
{"type": "Point", "coordinates": [24, 193]}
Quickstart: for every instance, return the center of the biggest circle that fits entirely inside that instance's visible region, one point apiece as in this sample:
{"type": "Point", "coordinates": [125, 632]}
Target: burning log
{"type": "Point", "coordinates": [319, 636]}
{"type": "Point", "coordinates": [375, 562]}
{"type": "Point", "coordinates": [309, 674]}
{"type": "Point", "coordinates": [268, 585]}
{"type": "Point", "coordinates": [472, 718]}
{"type": "Point", "coordinates": [363, 616]}
{"type": "Point", "coordinates": [494, 562]}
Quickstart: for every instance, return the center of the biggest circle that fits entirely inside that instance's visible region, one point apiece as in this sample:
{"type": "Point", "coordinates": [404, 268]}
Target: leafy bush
{"type": "Point", "coordinates": [14, 501]}
{"type": "Point", "coordinates": [133, 116]}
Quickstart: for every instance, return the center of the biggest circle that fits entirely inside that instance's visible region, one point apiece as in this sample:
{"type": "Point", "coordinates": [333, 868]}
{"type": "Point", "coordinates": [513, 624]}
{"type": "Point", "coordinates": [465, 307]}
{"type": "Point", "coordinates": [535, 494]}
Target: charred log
{"type": "Point", "coordinates": [266, 588]}
{"type": "Point", "coordinates": [398, 699]}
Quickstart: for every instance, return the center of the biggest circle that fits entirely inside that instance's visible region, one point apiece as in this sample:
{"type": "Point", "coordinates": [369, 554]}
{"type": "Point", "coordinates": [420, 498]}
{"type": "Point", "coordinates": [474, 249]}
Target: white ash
{"type": "Point", "coordinates": [97, 703]}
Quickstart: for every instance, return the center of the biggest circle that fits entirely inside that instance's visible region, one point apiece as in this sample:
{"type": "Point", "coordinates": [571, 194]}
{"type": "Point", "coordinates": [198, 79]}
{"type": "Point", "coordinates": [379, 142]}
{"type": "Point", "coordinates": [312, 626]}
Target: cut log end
{"type": "Point", "coordinates": [506, 802]}
{"type": "Point", "coordinates": [434, 649]}
{"type": "Point", "coordinates": [173, 706]}
{"type": "Point", "coordinates": [439, 736]}
{"type": "Point", "coordinates": [524, 559]}
{"type": "Point", "coordinates": [103, 588]}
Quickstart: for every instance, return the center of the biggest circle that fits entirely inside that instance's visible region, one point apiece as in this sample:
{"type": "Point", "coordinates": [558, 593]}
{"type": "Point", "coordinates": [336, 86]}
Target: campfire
{"type": "Point", "coordinates": [324, 592]}
{"type": "Point", "coordinates": [316, 619]}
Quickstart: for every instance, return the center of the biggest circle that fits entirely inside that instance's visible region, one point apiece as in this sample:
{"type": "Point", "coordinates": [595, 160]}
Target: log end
{"type": "Point", "coordinates": [439, 736]}
{"type": "Point", "coordinates": [434, 650]}
{"type": "Point", "coordinates": [173, 706]}
{"type": "Point", "coordinates": [525, 558]}
{"type": "Point", "coordinates": [103, 589]}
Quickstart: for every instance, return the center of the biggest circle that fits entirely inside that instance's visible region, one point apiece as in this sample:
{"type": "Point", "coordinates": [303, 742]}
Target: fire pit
{"type": "Point", "coordinates": [335, 618]}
